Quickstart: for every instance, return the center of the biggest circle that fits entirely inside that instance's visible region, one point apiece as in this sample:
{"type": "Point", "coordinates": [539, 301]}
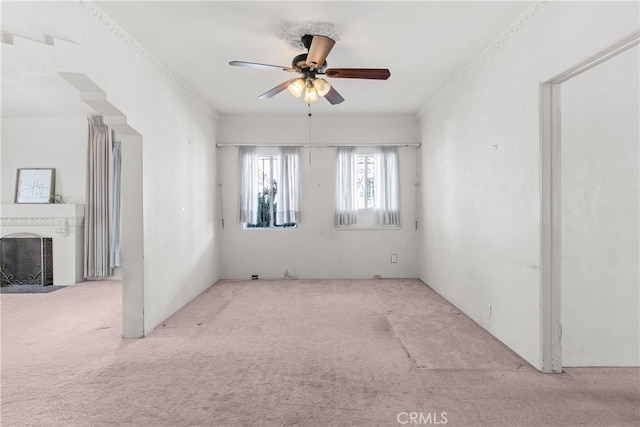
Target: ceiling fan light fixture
{"type": "Point", "coordinates": [297, 87]}
{"type": "Point", "coordinates": [310, 94]}
{"type": "Point", "coordinates": [322, 86]}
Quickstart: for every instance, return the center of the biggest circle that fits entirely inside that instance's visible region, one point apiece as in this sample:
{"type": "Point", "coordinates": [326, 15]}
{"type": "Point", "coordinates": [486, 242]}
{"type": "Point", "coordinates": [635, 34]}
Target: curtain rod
{"type": "Point", "coordinates": [415, 144]}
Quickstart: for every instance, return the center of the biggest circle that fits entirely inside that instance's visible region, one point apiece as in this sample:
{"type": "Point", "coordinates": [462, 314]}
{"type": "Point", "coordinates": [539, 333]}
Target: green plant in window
{"type": "Point", "coordinates": [265, 201]}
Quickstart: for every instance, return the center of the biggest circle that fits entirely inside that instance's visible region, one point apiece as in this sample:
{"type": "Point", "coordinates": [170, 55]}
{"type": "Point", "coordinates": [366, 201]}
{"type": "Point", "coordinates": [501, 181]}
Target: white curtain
{"type": "Point", "coordinates": [289, 186]}
{"type": "Point", "coordinates": [97, 254]}
{"type": "Point", "coordinates": [116, 206]}
{"type": "Point", "coordinates": [386, 186]}
{"type": "Point", "coordinates": [346, 209]}
{"type": "Point", "coordinates": [247, 185]}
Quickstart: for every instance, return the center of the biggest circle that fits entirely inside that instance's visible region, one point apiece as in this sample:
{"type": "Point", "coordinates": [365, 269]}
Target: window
{"type": "Point", "coordinates": [367, 187]}
{"type": "Point", "coordinates": [365, 170]}
{"type": "Point", "coordinates": [269, 187]}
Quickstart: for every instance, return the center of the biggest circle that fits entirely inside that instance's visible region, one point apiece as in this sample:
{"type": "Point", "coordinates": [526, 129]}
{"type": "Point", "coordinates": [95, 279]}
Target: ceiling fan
{"type": "Point", "coordinates": [311, 65]}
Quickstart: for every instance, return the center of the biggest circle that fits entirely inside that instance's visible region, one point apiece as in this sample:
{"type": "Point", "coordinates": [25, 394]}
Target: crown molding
{"type": "Point", "coordinates": [126, 39]}
{"type": "Point", "coordinates": [508, 36]}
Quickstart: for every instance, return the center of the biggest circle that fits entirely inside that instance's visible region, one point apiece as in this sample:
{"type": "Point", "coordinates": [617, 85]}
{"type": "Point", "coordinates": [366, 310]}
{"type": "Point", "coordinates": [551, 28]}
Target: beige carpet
{"type": "Point", "coordinates": [285, 353]}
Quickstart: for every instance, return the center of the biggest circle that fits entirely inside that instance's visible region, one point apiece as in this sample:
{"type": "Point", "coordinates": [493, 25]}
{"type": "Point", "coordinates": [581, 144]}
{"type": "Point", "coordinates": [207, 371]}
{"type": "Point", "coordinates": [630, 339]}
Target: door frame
{"type": "Point", "coordinates": [550, 213]}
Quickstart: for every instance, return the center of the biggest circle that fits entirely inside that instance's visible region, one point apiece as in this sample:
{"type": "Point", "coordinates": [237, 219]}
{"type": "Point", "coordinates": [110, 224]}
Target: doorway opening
{"type": "Point", "coordinates": [551, 284]}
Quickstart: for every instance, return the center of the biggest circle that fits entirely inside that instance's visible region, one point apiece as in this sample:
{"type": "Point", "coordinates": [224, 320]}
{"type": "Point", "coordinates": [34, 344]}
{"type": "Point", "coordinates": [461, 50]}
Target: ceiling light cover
{"type": "Point", "coordinates": [322, 86]}
{"type": "Point", "coordinates": [296, 87]}
{"type": "Point", "coordinates": [310, 94]}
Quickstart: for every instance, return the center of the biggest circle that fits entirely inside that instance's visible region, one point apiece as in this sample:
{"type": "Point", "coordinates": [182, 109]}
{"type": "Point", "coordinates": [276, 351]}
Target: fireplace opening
{"type": "Point", "coordinates": [26, 259]}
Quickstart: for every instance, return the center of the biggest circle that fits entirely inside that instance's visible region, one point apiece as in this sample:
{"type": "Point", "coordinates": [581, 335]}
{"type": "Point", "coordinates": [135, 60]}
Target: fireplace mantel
{"type": "Point", "coordinates": [61, 216]}
{"type": "Point", "coordinates": [62, 222]}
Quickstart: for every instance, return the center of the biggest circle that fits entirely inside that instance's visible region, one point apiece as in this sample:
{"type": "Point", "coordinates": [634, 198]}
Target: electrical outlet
{"type": "Point", "coordinates": [488, 311]}
{"type": "Point", "coordinates": [394, 258]}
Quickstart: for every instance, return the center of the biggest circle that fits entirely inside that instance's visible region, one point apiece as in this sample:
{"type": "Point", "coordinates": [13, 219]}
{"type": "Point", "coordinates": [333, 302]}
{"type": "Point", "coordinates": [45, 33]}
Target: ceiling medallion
{"type": "Point", "coordinates": [292, 33]}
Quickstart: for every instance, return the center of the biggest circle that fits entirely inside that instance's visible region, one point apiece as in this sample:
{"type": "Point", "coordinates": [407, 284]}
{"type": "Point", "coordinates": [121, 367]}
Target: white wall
{"type": "Point", "coordinates": [178, 154]}
{"type": "Point", "coordinates": [600, 194]}
{"type": "Point", "coordinates": [481, 163]}
{"type": "Point", "coordinates": [59, 143]}
{"type": "Point", "coordinates": [315, 249]}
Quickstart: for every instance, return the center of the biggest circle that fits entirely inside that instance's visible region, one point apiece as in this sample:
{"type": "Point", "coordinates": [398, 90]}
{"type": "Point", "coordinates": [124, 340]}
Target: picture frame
{"type": "Point", "coordinates": [35, 185]}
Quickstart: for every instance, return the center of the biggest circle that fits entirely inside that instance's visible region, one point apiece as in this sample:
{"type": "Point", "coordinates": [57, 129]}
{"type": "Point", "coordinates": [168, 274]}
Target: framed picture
{"type": "Point", "coordinates": [35, 185]}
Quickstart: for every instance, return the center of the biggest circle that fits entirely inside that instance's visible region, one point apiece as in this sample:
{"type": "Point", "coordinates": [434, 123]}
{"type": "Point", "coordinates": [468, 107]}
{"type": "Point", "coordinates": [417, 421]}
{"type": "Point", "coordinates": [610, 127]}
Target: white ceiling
{"type": "Point", "coordinates": [424, 44]}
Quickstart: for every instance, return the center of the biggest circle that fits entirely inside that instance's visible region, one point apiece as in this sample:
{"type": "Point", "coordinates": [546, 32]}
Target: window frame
{"type": "Point", "coordinates": [366, 219]}
{"type": "Point", "coordinates": [272, 154]}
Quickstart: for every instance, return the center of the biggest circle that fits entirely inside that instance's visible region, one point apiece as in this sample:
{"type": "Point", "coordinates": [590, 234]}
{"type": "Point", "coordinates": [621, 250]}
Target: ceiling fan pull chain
{"type": "Point", "coordinates": [309, 115]}
{"type": "Point", "coordinates": [309, 141]}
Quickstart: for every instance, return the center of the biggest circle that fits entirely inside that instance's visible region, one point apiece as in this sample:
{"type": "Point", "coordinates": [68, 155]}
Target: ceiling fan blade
{"type": "Point", "coordinates": [333, 96]}
{"type": "Point", "coordinates": [358, 73]}
{"type": "Point", "coordinates": [276, 90]}
{"type": "Point", "coordinates": [319, 49]}
{"type": "Point", "coordinates": [262, 66]}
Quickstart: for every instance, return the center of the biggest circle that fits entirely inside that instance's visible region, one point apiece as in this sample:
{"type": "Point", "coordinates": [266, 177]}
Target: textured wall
{"type": "Point", "coordinates": [481, 167]}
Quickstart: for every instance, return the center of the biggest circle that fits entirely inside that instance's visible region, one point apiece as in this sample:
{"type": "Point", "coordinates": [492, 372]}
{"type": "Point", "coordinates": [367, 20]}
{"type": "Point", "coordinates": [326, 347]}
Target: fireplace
{"type": "Point", "coordinates": [26, 259]}
{"type": "Point", "coordinates": [60, 222]}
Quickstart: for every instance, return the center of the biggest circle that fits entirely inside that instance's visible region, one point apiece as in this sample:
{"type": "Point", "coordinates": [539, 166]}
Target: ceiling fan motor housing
{"type": "Point", "coordinates": [300, 63]}
{"type": "Point", "coordinates": [306, 41]}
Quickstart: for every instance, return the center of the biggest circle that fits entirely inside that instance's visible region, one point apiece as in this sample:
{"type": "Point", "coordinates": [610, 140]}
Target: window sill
{"type": "Point", "coordinates": [369, 227]}
{"type": "Point", "coordinates": [270, 228]}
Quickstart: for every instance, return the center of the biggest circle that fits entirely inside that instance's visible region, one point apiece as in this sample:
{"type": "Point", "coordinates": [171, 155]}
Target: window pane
{"type": "Point", "coordinates": [366, 167]}
{"type": "Point", "coordinates": [273, 187]}
{"type": "Point", "coordinates": [267, 188]}
{"type": "Point", "coordinates": [264, 189]}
